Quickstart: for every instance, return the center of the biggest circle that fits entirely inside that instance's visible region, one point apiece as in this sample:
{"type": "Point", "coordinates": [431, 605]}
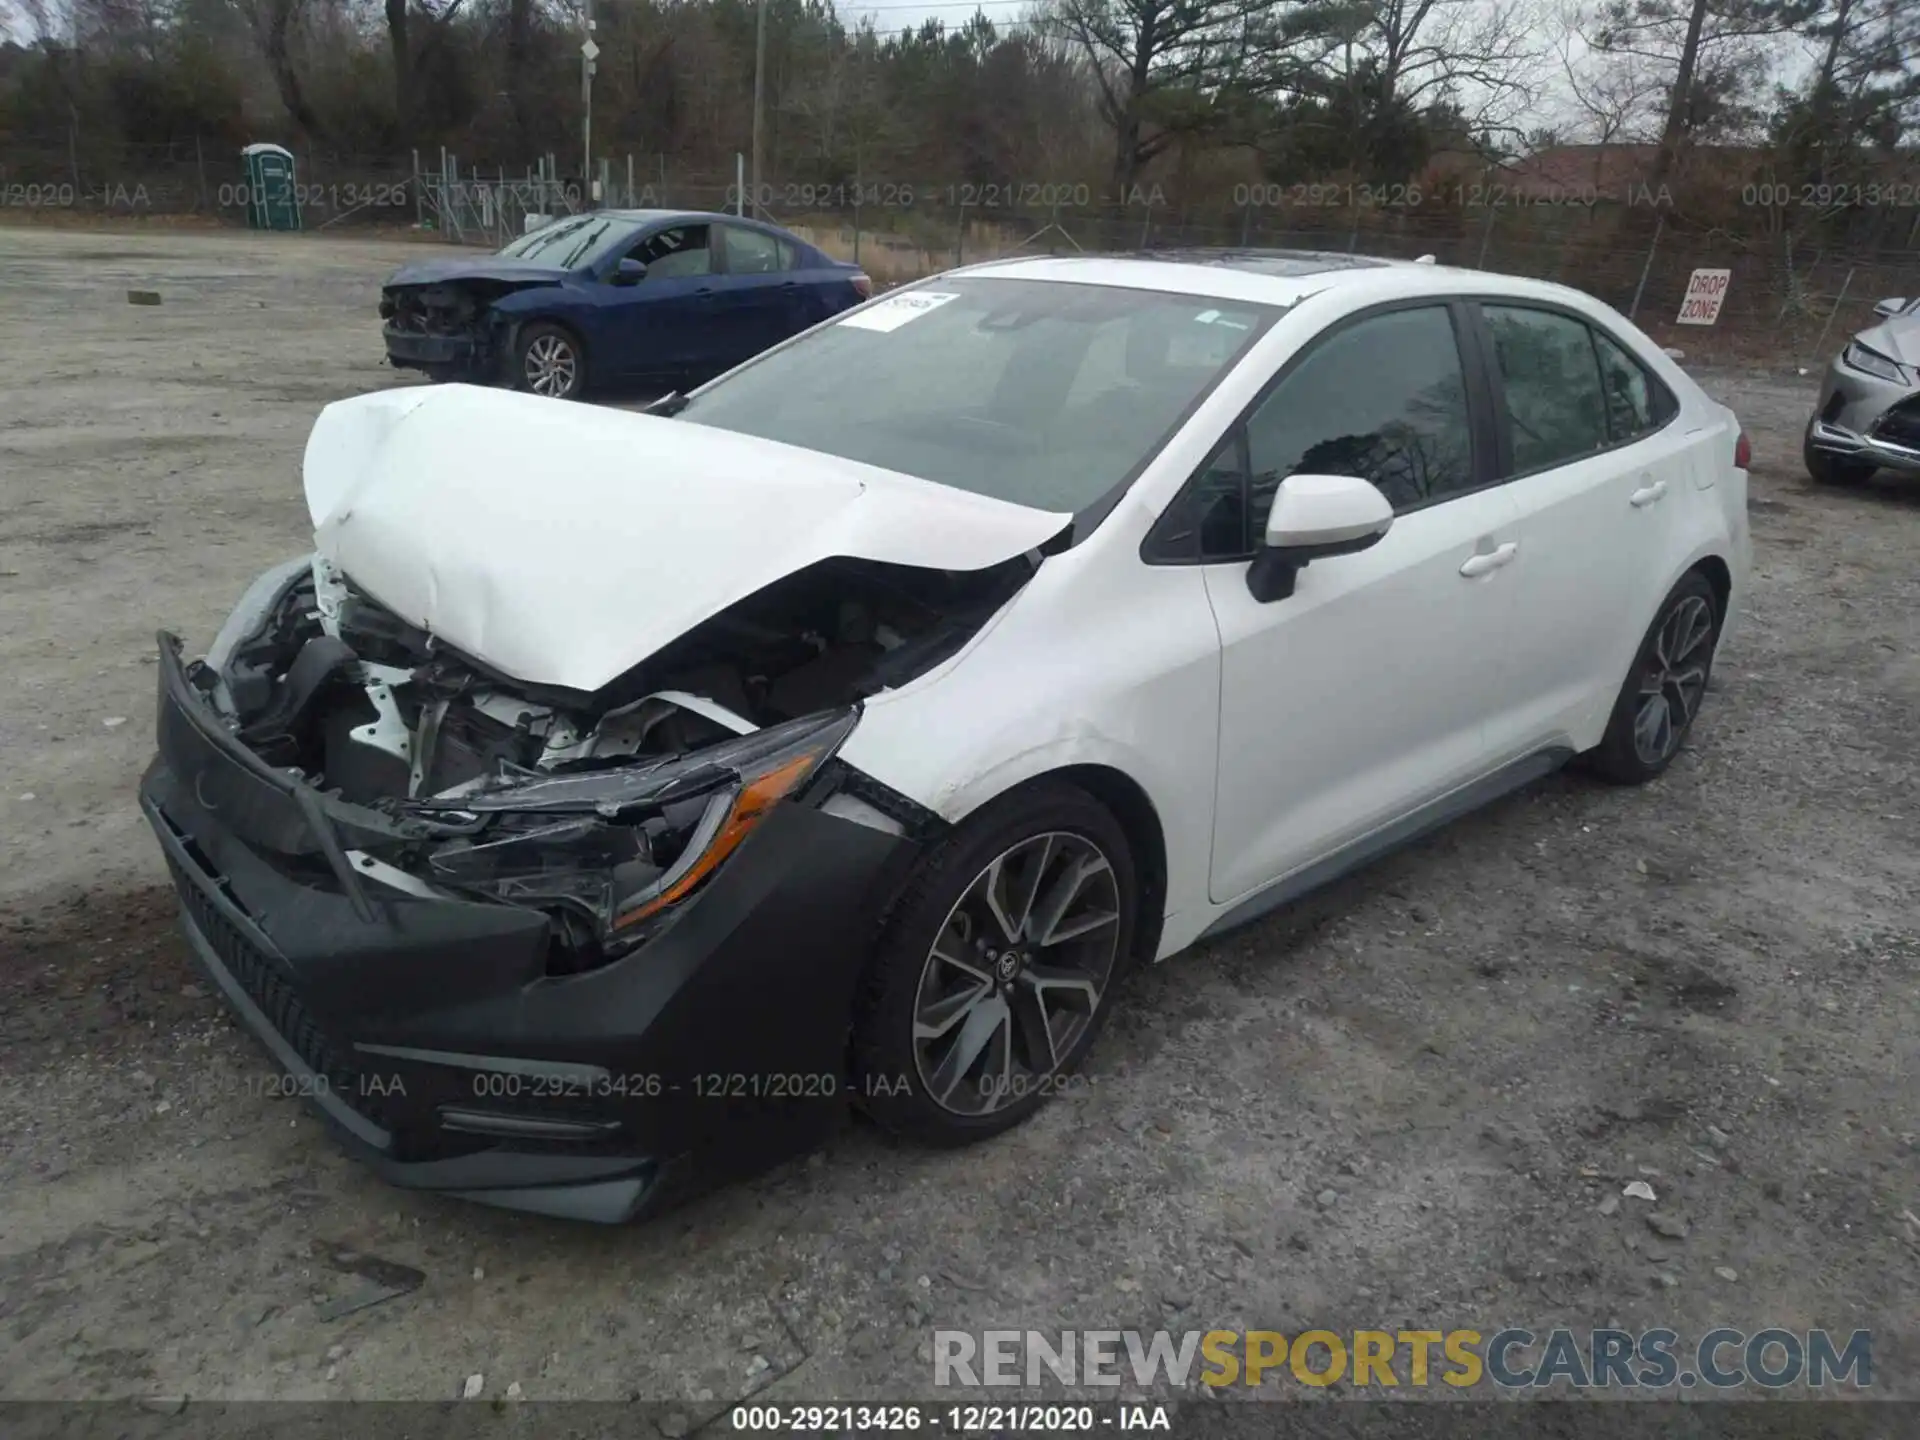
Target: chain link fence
{"type": "Point", "coordinates": [1787, 298]}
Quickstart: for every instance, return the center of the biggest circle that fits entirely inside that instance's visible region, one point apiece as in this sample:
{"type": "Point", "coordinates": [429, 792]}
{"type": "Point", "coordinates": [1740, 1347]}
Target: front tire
{"type": "Point", "coordinates": [1827, 469]}
{"type": "Point", "coordinates": [995, 971]}
{"type": "Point", "coordinates": [548, 359]}
{"type": "Point", "coordinates": [1658, 703]}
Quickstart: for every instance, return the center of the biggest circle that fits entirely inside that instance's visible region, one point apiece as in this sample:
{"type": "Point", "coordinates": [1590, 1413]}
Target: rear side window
{"type": "Point", "coordinates": [1551, 376]}
{"type": "Point", "coordinates": [1637, 403]}
{"type": "Point", "coordinates": [751, 253]}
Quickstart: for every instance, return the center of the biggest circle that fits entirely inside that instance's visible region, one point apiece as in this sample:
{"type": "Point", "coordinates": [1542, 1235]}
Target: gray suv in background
{"type": "Point", "coordinates": [1869, 412]}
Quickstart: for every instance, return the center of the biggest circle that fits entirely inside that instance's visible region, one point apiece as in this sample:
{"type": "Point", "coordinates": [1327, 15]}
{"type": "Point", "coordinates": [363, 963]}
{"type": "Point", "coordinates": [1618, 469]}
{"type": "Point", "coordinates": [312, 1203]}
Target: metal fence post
{"type": "Point", "coordinates": [1659, 224]}
{"type": "Point", "coordinates": [1820, 345]}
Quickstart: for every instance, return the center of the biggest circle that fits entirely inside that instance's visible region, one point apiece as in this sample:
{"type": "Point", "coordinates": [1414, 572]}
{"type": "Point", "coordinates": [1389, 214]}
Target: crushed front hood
{"type": "Point", "coordinates": [562, 544]}
{"type": "Point", "coordinates": [479, 267]}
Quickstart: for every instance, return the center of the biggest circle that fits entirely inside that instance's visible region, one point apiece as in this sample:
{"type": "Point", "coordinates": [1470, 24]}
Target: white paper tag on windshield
{"type": "Point", "coordinates": [897, 310]}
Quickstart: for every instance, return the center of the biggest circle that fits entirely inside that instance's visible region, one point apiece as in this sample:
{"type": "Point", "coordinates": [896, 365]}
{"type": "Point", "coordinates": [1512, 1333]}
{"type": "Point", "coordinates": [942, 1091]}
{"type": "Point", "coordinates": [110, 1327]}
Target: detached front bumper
{"type": "Point", "coordinates": [430, 1034]}
{"type": "Point", "coordinates": [1862, 417]}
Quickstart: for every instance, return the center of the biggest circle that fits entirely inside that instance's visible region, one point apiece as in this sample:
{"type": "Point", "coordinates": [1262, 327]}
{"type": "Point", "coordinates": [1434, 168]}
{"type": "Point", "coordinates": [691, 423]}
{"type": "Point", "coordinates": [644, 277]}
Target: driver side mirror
{"type": "Point", "coordinates": [1887, 309]}
{"type": "Point", "coordinates": [629, 271]}
{"type": "Point", "coordinates": [1315, 517]}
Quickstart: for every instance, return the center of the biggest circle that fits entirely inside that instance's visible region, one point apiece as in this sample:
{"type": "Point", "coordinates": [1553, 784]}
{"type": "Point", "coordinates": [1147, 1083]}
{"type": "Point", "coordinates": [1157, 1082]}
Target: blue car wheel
{"type": "Point", "coordinates": [549, 360]}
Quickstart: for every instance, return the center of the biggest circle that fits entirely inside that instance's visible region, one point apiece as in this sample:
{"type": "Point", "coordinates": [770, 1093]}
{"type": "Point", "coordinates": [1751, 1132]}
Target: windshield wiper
{"type": "Point", "coordinates": [669, 405]}
{"type": "Point", "coordinates": [582, 248]}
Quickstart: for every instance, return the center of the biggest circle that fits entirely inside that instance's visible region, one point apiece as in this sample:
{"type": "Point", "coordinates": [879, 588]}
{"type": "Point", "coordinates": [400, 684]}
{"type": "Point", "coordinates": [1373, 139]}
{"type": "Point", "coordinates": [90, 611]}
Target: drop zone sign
{"type": "Point", "coordinates": [1706, 290]}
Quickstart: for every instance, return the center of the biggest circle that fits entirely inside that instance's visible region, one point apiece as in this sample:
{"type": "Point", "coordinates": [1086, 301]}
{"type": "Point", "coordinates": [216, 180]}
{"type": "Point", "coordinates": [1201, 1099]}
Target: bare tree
{"type": "Point", "coordinates": [407, 50]}
{"type": "Point", "coordinates": [1616, 98]}
{"type": "Point", "coordinates": [1706, 53]}
{"type": "Point", "coordinates": [274, 24]}
{"type": "Point", "coordinates": [1157, 65]}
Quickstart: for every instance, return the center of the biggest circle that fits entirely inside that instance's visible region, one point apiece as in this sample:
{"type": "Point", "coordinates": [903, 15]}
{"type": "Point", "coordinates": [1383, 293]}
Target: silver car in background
{"type": "Point", "coordinates": [1868, 417]}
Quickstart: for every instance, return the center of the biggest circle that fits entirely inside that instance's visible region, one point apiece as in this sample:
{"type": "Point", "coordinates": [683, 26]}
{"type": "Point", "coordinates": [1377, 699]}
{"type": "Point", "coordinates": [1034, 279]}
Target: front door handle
{"type": "Point", "coordinates": [1489, 560]}
{"type": "Point", "coordinates": [1647, 494]}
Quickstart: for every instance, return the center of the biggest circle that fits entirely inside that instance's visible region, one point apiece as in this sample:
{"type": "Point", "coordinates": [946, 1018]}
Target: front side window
{"type": "Point", "coordinates": [1384, 399]}
{"type": "Point", "coordinates": [1048, 394]}
{"type": "Point", "coordinates": [751, 253]}
{"type": "Point", "coordinates": [1551, 376]}
{"type": "Point", "coordinates": [679, 252]}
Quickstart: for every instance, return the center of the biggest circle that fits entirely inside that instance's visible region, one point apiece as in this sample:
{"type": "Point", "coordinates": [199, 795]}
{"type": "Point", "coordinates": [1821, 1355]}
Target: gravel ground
{"type": "Point", "coordinates": [1401, 1104]}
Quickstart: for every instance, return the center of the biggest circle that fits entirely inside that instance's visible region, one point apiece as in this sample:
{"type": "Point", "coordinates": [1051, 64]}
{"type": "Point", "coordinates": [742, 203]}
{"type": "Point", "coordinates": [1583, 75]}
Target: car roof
{"type": "Point", "coordinates": [1271, 277]}
{"type": "Point", "coordinates": [649, 217]}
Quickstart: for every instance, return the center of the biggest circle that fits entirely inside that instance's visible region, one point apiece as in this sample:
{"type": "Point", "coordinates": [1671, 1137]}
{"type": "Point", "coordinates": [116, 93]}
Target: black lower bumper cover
{"type": "Point", "coordinates": [432, 1037]}
{"type": "Point", "coordinates": [410, 347]}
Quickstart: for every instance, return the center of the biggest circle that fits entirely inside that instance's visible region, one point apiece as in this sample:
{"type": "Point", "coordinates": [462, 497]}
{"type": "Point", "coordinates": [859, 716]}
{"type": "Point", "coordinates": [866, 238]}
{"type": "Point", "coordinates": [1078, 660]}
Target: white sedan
{"type": "Point", "coordinates": [845, 728]}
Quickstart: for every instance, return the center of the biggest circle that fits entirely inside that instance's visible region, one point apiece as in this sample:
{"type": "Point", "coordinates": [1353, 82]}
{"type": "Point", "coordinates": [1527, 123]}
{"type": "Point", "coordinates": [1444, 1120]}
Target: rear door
{"type": "Point", "coordinates": [1600, 468]}
{"type": "Point", "coordinates": [758, 298]}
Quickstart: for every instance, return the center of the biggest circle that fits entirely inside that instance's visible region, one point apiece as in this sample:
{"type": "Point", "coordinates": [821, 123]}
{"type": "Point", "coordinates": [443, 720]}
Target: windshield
{"type": "Point", "coordinates": [1044, 393]}
{"type": "Point", "coordinates": [569, 244]}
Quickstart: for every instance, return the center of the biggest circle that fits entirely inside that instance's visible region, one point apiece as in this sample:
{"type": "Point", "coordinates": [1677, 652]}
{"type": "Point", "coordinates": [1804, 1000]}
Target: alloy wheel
{"type": "Point", "coordinates": [1674, 680]}
{"type": "Point", "coordinates": [1016, 973]}
{"type": "Point", "coordinates": [551, 366]}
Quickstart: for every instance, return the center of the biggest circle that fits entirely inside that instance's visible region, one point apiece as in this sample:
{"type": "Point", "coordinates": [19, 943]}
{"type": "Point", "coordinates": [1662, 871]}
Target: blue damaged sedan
{"type": "Point", "coordinates": [642, 297]}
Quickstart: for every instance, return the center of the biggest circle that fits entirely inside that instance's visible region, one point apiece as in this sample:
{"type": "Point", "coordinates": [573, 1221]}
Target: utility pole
{"type": "Point", "coordinates": [759, 92]}
{"type": "Point", "coordinates": [589, 52]}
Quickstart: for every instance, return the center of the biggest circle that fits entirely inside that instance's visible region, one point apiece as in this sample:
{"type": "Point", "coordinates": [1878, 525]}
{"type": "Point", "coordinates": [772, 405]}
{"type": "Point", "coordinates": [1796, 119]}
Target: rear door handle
{"type": "Point", "coordinates": [1489, 560]}
{"type": "Point", "coordinates": [1647, 494]}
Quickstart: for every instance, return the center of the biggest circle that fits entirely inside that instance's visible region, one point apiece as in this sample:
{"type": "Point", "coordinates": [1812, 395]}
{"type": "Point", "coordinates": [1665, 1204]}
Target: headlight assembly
{"type": "Point", "coordinates": [617, 849]}
{"type": "Point", "coordinates": [1872, 362]}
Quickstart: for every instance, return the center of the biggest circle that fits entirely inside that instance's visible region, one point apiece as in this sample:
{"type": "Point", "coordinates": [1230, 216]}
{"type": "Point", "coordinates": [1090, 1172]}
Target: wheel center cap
{"type": "Point", "coordinates": [1008, 965]}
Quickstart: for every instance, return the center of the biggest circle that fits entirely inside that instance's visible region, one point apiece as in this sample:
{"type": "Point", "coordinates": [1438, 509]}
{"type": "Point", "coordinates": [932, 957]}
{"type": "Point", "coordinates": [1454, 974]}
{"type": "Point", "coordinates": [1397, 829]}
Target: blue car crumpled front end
{"type": "Point", "coordinates": [439, 982]}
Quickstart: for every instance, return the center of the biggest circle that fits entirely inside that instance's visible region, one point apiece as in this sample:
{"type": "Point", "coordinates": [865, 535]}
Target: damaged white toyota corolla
{"type": "Point", "coordinates": [613, 796]}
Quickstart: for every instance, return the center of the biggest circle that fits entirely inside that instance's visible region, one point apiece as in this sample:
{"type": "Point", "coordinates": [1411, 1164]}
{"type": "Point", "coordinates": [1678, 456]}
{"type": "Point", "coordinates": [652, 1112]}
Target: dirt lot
{"type": "Point", "coordinates": [1401, 1105]}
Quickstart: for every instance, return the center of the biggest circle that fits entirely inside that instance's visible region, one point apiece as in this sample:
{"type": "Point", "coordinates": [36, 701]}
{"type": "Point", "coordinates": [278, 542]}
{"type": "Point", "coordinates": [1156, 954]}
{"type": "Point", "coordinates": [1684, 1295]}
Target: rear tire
{"type": "Point", "coordinates": [548, 359]}
{"type": "Point", "coordinates": [1661, 698]}
{"type": "Point", "coordinates": [996, 968]}
{"type": "Point", "coordinates": [1828, 469]}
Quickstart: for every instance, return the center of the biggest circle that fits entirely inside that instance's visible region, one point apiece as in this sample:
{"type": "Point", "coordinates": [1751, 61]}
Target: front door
{"type": "Point", "coordinates": [1367, 692]}
{"type": "Point", "coordinates": [662, 326]}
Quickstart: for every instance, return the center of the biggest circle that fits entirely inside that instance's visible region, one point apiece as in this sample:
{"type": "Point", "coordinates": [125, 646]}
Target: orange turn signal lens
{"type": "Point", "coordinates": [750, 806]}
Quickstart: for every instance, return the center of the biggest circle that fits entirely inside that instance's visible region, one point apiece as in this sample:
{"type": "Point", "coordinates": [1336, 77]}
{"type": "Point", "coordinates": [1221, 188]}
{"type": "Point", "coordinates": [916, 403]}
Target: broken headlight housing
{"type": "Point", "coordinates": [610, 853]}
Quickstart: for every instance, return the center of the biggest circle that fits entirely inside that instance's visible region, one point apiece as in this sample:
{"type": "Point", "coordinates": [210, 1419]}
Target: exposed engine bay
{"type": "Point", "coordinates": [602, 809]}
{"type": "Point", "coordinates": [453, 310]}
